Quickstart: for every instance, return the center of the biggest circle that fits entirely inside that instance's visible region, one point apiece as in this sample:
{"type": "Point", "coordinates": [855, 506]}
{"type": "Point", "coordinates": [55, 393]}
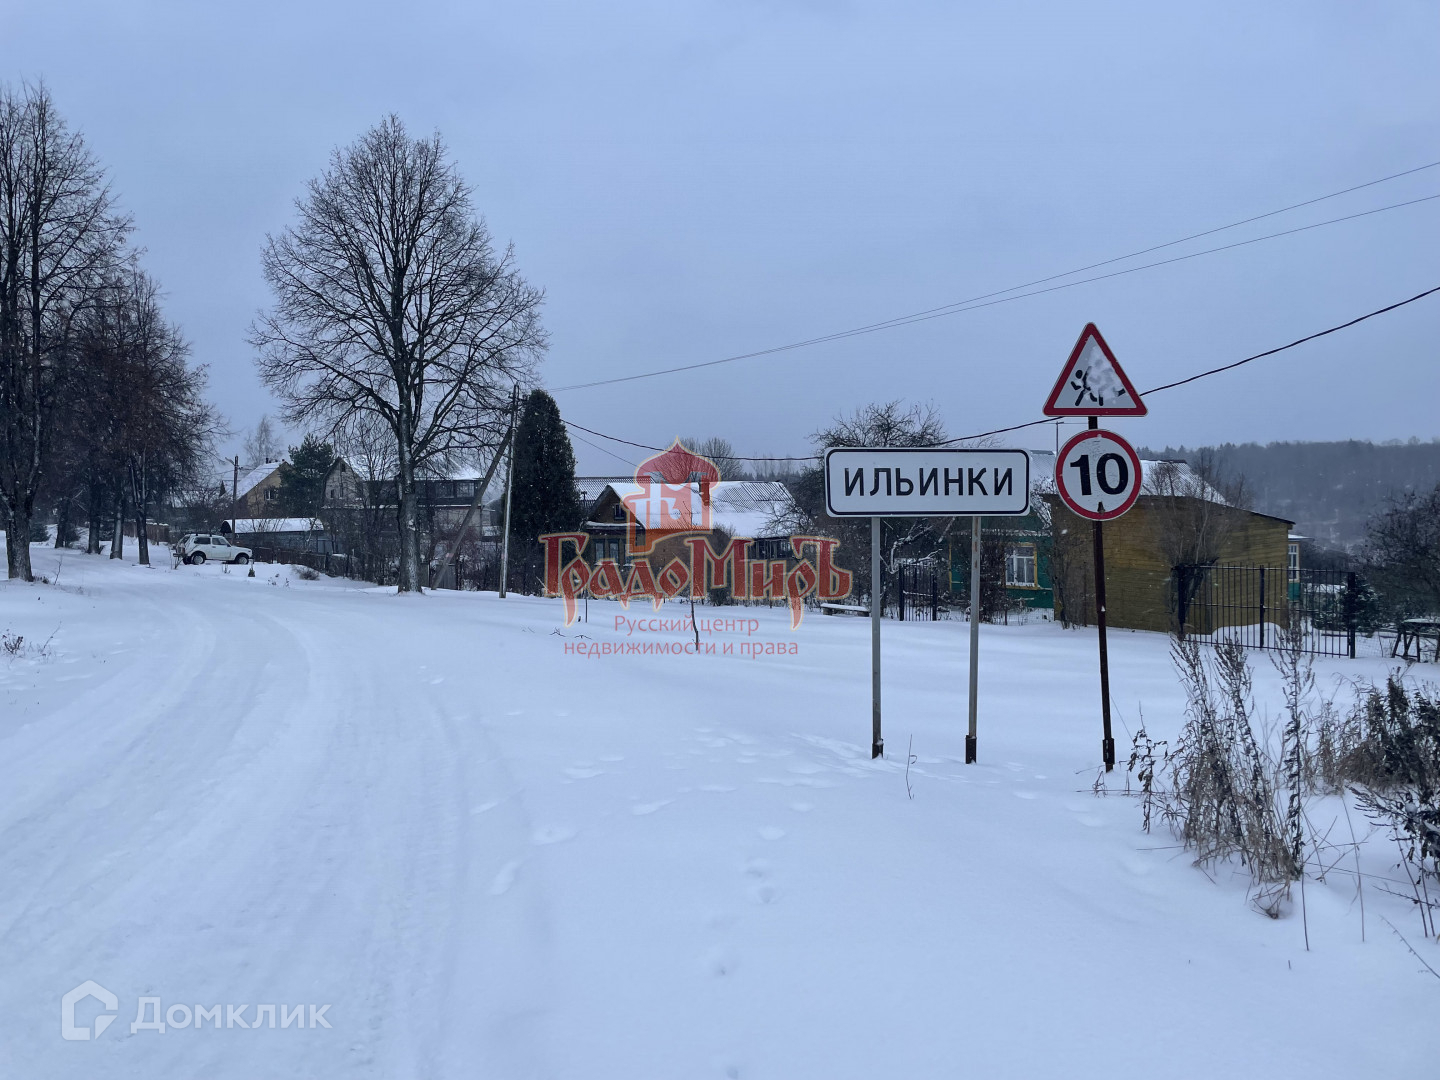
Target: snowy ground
{"type": "Point", "coordinates": [491, 859]}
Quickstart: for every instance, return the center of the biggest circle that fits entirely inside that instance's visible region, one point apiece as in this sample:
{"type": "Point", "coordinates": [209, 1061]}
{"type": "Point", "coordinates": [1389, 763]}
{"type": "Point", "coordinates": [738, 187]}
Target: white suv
{"type": "Point", "coordinates": [195, 548]}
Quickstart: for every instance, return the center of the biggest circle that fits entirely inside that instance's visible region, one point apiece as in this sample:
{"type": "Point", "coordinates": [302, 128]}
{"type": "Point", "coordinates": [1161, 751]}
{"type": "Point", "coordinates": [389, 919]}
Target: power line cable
{"type": "Point", "coordinates": [1226, 367]}
{"type": "Point", "coordinates": [1049, 420]}
{"type": "Point", "coordinates": [999, 296]}
{"type": "Point", "coordinates": [597, 446]}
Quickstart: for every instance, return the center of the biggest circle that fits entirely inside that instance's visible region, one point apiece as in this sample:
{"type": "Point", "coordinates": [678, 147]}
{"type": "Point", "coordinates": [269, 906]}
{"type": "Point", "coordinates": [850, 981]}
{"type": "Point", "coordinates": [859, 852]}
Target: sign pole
{"type": "Point", "coordinates": [877, 600]}
{"type": "Point", "coordinates": [879, 482]}
{"type": "Point", "coordinates": [974, 638]}
{"type": "Point", "coordinates": [1093, 384]}
{"type": "Point", "coordinates": [1097, 532]}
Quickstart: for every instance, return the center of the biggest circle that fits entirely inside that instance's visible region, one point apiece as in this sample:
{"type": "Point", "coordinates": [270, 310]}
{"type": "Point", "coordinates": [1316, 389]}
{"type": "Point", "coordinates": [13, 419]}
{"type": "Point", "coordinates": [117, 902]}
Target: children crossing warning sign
{"type": "Point", "coordinates": [1093, 383]}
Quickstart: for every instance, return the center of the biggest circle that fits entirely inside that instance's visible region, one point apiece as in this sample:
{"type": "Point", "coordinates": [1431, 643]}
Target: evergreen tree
{"type": "Point", "coordinates": [302, 478]}
{"type": "Point", "coordinates": [545, 498]}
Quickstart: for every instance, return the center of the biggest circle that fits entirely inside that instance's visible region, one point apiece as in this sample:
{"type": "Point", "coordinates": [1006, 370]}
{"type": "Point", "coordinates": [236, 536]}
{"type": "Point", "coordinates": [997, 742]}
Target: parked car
{"type": "Point", "coordinates": [196, 548]}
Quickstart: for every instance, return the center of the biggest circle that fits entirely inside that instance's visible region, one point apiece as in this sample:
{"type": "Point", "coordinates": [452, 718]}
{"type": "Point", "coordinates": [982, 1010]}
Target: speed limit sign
{"type": "Point", "coordinates": [1097, 474]}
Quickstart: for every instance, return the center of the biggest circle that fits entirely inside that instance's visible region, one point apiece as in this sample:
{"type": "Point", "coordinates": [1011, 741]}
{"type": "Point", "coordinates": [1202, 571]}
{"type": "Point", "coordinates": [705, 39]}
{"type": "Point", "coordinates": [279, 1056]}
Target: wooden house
{"type": "Point", "coordinates": [1142, 577]}
{"type": "Point", "coordinates": [1178, 519]}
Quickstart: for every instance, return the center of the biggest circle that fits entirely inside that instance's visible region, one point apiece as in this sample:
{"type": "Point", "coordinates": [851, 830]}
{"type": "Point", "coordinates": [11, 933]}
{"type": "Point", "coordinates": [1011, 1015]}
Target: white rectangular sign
{"type": "Point", "coordinates": [936, 482]}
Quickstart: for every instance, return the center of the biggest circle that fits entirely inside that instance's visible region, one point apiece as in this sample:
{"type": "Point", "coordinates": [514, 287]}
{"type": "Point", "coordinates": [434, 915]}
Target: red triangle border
{"type": "Point", "coordinates": [1052, 406]}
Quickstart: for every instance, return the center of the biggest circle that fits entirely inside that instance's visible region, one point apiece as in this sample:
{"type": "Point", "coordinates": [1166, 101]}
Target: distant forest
{"type": "Point", "coordinates": [1329, 489]}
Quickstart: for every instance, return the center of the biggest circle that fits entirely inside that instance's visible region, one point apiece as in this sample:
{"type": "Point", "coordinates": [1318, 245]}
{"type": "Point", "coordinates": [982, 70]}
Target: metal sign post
{"type": "Point", "coordinates": [1097, 536]}
{"type": "Point", "coordinates": [935, 482]}
{"type": "Point", "coordinates": [1097, 473]}
{"type": "Point", "coordinates": [877, 600]}
{"type": "Point", "coordinates": [974, 639]}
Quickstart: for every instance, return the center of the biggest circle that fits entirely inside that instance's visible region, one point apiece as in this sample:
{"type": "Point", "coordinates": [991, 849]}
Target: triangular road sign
{"type": "Point", "coordinates": [1093, 382]}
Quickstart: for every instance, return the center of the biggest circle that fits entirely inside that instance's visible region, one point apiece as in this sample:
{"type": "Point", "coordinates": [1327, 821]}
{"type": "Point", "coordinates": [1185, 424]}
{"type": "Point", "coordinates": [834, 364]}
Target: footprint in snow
{"type": "Point", "coordinates": [716, 787]}
{"type": "Point", "coordinates": [648, 808]}
{"type": "Point", "coordinates": [805, 768]}
{"type": "Point", "coordinates": [718, 961]}
{"type": "Point", "coordinates": [582, 774]}
{"type": "Point", "coordinates": [505, 878]}
{"type": "Point", "coordinates": [552, 834]}
{"type": "Point", "coordinates": [1025, 794]}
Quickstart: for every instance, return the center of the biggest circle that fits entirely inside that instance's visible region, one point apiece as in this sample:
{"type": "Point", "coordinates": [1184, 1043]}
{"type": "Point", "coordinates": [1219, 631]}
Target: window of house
{"type": "Point", "coordinates": [1020, 566]}
{"type": "Point", "coordinates": [619, 511]}
{"type": "Point", "coordinates": [271, 494]}
{"type": "Point", "coordinates": [1293, 562]}
{"type": "Point", "coordinates": [465, 489]}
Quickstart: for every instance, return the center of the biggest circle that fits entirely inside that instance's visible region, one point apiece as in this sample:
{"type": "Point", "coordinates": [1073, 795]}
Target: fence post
{"type": "Point", "coordinates": [1182, 599]}
{"type": "Point", "coordinates": [1262, 607]}
{"type": "Point", "coordinates": [1352, 613]}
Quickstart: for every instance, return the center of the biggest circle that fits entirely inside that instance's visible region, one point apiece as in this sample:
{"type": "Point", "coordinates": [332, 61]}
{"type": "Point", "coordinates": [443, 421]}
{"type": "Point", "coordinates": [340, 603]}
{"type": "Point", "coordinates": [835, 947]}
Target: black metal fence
{"type": "Point", "coordinates": [325, 562]}
{"type": "Point", "coordinates": [920, 593]}
{"type": "Point", "coordinates": [1255, 605]}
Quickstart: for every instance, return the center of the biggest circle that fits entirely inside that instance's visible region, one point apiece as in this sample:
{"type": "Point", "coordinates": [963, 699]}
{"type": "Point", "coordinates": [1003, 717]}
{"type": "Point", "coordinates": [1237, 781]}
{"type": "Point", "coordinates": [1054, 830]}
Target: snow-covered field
{"type": "Point", "coordinates": [493, 859]}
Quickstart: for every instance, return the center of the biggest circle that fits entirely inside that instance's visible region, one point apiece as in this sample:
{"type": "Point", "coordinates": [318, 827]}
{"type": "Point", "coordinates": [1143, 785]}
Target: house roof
{"type": "Point", "coordinates": [740, 507]}
{"type": "Point", "coordinates": [591, 487]}
{"type": "Point", "coordinates": [276, 525]}
{"type": "Point", "coordinates": [1187, 481]}
{"type": "Point", "coordinates": [249, 479]}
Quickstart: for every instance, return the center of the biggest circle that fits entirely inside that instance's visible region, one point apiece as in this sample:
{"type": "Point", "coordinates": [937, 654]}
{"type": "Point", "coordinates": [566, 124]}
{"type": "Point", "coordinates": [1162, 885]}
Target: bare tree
{"type": "Point", "coordinates": [1191, 520]}
{"type": "Point", "coordinates": [58, 233]}
{"type": "Point", "coordinates": [140, 427]}
{"type": "Point", "coordinates": [391, 301]}
{"type": "Point", "coordinates": [263, 444]}
{"type": "Point", "coordinates": [1402, 553]}
{"type": "Point", "coordinates": [368, 448]}
{"type": "Point", "coordinates": [720, 452]}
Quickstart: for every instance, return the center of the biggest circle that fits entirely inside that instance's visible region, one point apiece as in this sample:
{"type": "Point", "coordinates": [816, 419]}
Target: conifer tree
{"type": "Point", "coordinates": [545, 498]}
{"type": "Point", "coordinates": [302, 478]}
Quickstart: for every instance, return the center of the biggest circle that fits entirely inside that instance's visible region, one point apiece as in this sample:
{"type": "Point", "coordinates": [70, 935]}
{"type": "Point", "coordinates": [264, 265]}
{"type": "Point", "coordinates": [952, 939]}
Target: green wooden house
{"type": "Point", "coordinates": [1024, 544]}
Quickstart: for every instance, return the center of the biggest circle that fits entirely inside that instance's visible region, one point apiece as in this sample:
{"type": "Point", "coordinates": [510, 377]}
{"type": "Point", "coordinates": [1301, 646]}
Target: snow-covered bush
{"type": "Point", "coordinates": [1393, 769]}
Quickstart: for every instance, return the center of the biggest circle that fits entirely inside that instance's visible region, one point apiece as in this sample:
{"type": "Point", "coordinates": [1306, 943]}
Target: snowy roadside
{"type": "Point", "coordinates": [490, 856]}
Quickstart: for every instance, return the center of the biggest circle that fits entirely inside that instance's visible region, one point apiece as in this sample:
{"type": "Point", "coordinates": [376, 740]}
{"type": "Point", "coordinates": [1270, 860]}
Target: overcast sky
{"type": "Point", "coordinates": [688, 181]}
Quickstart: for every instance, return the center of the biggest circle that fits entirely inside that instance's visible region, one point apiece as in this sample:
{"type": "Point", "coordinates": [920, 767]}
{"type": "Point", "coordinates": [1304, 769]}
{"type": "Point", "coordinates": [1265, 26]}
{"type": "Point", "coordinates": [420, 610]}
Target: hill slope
{"type": "Point", "coordinates": [1329, 489]}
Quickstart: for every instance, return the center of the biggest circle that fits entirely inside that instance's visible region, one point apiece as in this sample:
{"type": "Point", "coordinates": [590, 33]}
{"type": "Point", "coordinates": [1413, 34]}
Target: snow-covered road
{"type": "Point", "coordinates": [493, 859]}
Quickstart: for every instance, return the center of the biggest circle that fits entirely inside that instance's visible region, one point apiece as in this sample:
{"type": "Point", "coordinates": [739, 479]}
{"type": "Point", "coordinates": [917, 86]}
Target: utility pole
{"type": "Point", "coordinates": [235, 495]}
{"type": "Point", "coordinates": [509, 490]}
